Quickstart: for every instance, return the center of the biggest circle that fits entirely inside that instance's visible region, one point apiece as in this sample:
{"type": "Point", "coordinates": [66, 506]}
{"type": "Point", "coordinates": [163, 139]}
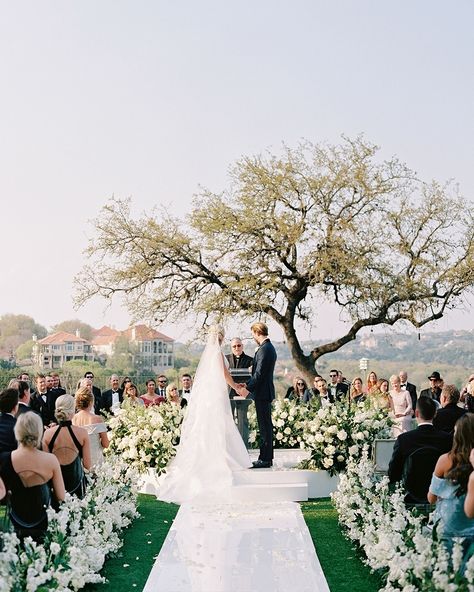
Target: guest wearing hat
{"type": "Point", "coordinates": [434, 390]}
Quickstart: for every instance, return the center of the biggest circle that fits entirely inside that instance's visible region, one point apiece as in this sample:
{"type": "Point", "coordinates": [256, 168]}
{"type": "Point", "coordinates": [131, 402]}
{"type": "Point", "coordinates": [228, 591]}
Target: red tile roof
{"type": "Point", "coordinates": [61, 337]}
{"type": "Point", "coordinates": [144, 333]}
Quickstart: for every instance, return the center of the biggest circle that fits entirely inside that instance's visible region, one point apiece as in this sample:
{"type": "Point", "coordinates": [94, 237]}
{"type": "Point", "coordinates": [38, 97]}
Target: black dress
{"type": "Point", "coordinates": [73, 473]}
{"type": "Point", "coordinates": [26, 506]}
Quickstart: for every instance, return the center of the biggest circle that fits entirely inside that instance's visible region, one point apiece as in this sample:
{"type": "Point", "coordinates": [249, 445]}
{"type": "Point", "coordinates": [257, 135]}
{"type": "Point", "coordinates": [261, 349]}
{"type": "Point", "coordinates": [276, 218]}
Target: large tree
{"type": "Point", "coordinates": [17, 329]}
{"type": "Point", "coordinates": [73, 325]}
{"type": "Point", "coordinates": [316, 223]}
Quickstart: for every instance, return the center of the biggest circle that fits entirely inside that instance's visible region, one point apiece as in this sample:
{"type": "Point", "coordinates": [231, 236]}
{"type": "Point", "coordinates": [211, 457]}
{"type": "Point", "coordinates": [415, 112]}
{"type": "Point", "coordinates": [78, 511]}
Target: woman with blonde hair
{"type": "Point", "coordinates": [70, 444]}
{"type": "Point", "coordinates": [172, 394]}
{"type": "Point", "coordinates": [93, 424]}
{"type": "Point", "coordinates": [27, 473]}
{"type": "Point", "coordinates": [401, 406]}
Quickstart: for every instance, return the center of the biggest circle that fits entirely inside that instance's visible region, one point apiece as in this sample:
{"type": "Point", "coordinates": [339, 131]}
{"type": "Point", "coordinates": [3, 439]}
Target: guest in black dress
{"type": "Point", "coordinates": [28, 474]}
{"type": "Point", "coordinates": [70, 444]}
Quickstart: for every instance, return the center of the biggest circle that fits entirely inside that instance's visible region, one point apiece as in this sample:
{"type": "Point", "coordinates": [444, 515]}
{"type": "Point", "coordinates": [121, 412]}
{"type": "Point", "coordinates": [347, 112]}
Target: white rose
{"type": "Point", "coordinates": [353, 449]}
{"type": "Point", "coordinates": [342, 435]}
{"type": "Point", "coordinates": [340, 458]}
{"type": "Point", "coordinates": [279, 436]}
{"type": "Point", "coordinates": [328, 462]}
{"type": "Point", "coordinates": [287, 431]}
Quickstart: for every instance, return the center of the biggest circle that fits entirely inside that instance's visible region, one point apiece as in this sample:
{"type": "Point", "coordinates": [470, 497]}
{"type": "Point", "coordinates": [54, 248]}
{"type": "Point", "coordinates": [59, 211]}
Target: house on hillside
{"type": "Point", "coordinates": [151, 350]}
{"type": "Point", "coordinates": [52, 351]}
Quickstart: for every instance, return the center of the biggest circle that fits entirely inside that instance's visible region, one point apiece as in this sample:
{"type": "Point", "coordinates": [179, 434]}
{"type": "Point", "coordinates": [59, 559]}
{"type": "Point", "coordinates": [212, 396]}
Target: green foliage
{"type": "Point", "coordinates": [17, 329]}
{"type": "Point", "coordinates": [24, 351]}
{"type": "Point", "coordinates": [72, 325]}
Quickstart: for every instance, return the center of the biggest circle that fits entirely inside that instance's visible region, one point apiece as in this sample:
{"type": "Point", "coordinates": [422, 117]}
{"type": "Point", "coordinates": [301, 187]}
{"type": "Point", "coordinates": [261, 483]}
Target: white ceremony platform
{"type": "Point", "coordinates": [242, 547]}
{"type": "Point", "coordinates": [280, 483]}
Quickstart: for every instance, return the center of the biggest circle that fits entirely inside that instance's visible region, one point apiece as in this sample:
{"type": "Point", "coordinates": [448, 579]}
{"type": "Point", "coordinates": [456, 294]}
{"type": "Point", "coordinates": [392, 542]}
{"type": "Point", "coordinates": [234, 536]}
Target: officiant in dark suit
{"type": "Point", "coordinates": [263, 392]}
{"type": "Point", "coordinates": [239, 360]}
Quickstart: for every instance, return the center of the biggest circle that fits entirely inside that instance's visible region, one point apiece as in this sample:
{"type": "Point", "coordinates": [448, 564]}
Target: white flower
{"type": "Point", "coordinates": [342, 435]}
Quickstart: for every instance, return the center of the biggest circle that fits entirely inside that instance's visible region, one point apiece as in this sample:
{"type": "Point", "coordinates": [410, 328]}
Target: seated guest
{"type": "Point", "coordinates": [27, 473]}
{"type": "Point", "coordinates": [92, 423]}
{"type": "Point", "coordinates": [425, 435]}
{"type": "Point", "coordinates": [449, 486]}
{"type": "Point", "coordinates": [70, 444]}
{"type": "Point", "coordinates": [150, 397]}
{"type": "Point", "coordinates": [8, 410]}
{"type": "Point", "coordinates": [449, 412]}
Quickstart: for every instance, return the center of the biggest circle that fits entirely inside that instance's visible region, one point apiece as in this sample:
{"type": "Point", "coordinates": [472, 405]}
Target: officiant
{"type": "Point", "coordinates": [239, 361]}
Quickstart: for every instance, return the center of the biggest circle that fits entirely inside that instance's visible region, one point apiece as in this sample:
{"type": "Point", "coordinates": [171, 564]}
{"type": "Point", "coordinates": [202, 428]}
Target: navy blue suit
{"type": "Point", "coordinates": [7, 436]}
{"type": "Point", "coordinates": [263, 392]}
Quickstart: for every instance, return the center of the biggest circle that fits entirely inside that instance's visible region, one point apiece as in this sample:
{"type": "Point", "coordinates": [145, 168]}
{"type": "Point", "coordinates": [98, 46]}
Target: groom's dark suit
{"type": "Point", "coordinates": [263, 392]}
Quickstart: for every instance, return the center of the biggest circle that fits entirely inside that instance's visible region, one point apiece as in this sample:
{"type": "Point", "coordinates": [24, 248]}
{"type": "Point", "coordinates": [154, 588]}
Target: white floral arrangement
{"type": "Point", "coordinates": [146, 437]}
{"type": "Point", "coordinates": [79, 537]}
{"type": "Point", "coordinates": [336, 433]}
{"type": "Point", "coordinates": [287, 417]}
{"type": "Point", "coordinates": [394, 540]}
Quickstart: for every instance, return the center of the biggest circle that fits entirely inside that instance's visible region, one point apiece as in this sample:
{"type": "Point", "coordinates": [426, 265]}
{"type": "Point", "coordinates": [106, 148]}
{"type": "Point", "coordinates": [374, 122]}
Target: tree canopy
{"type": "Point", "coordinates": [17, 329]}
{"type": "Point", "coordinates": [315, 223]}
{"type": "Point", "coordinates": [72, 325]}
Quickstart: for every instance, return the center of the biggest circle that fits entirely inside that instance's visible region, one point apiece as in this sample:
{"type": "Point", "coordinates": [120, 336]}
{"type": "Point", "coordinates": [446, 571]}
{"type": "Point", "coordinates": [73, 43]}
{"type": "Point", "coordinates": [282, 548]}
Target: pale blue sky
{"type": "Point", "coordinates": [151, 99]}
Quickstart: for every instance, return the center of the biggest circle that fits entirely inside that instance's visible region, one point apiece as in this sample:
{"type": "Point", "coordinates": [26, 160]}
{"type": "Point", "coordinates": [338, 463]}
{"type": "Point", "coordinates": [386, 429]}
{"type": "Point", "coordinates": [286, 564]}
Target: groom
{"type": "Point", "coordinates": [263, 391]}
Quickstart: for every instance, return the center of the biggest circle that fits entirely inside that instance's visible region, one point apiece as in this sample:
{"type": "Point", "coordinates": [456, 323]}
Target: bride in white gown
{"type": "Point", "coordinates": [210, 447]}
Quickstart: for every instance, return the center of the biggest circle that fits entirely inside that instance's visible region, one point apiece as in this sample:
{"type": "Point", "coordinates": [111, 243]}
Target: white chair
{"type": "Point", "coordinates": [382, 454]}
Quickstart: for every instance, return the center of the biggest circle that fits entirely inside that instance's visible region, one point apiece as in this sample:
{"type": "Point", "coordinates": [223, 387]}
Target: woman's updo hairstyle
{"type": "Point", "coordinates": [29, 429]}
{"type": "Point", "coordinates": [83, 398]}
{"type": "Point", "coordinates": [65, 407]}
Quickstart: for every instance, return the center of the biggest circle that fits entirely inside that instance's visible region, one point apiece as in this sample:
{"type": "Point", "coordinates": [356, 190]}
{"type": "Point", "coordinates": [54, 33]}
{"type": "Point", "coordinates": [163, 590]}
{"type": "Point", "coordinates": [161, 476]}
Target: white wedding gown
{"type": "Point", "coordinates": [211, 448]}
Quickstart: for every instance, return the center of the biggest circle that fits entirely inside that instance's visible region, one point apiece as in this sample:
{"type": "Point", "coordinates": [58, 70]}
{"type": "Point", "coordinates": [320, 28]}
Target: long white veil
{"type": "Point", "coordinates": [211, 447]}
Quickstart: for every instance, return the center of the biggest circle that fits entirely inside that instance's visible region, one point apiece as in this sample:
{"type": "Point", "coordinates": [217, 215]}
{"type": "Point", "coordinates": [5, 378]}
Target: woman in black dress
{"type": "Point", "coordinates": [28, 474]}
{"type": "Point", "coordinates": [70, 444]}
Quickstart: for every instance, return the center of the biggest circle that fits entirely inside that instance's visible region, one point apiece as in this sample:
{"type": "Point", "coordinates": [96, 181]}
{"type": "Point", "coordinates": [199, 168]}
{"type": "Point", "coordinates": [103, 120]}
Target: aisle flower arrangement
{"type": "Point", "coordinates": [395, 540]}
{"type": "Point", "coordinates": [337, 433]}
{"type": "Point", "coordinates": [146, 437]}
{"type": "Point", "coordinates": [80, 536]}
{"type": "Point", "coordinates": [287, 417]}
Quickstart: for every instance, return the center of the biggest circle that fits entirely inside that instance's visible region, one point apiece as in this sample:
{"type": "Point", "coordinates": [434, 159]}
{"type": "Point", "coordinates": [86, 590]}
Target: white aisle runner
{"type": "Point", "coordinates": [254, 547]}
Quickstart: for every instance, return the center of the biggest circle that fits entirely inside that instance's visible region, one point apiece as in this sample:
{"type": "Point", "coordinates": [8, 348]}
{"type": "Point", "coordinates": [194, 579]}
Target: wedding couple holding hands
{"type": "Point", "coordinates": [211, 448]}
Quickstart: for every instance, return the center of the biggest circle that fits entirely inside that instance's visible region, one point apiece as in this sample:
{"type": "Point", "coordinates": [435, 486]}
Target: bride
{"type": "Point", "coordinates": [210, 447]}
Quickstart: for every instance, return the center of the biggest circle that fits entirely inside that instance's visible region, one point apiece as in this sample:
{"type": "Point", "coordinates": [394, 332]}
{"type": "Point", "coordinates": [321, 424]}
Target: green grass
{"type": "Point", "coordinates": [142, 543]}
{"type": "Point", "coordinates": [341, 563]}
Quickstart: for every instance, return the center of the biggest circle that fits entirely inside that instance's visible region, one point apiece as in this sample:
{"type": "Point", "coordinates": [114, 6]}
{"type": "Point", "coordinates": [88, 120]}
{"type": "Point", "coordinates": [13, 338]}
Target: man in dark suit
{"type": "Point", "coordinates": [89, 382]}
{"type": "Point", "coordinates": [8, 409]}
{"type": "Point", "coordinates": [408, 386]}
{"type": "Point", "coordinates": [336, 390]}
{"type": "Point", "coordinates": [263, 392]}
{"type": "Point", "coordinates": [43, 401]}
{"type": "Point", "coordinates": [185, 392]}
{"type": "Point", "coordinates": [56, 387]}
{"type": "Point", "coordinates": [434, 391]}
{"type": "Point", "coordinates": [446, 417]}
{"type": "Point", "coordinates": [24, 397]}
{"type": "Point", "coordinates": [425, 435]}
{"type": "Point", "coordinates": [111, 399]}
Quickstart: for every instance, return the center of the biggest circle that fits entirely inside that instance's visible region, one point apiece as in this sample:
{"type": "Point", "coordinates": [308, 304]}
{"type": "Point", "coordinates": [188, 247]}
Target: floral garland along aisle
{"type": "Point", "coordinates": [394, 540]}
{"type": "Point", "coordinates": [80, 536]}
